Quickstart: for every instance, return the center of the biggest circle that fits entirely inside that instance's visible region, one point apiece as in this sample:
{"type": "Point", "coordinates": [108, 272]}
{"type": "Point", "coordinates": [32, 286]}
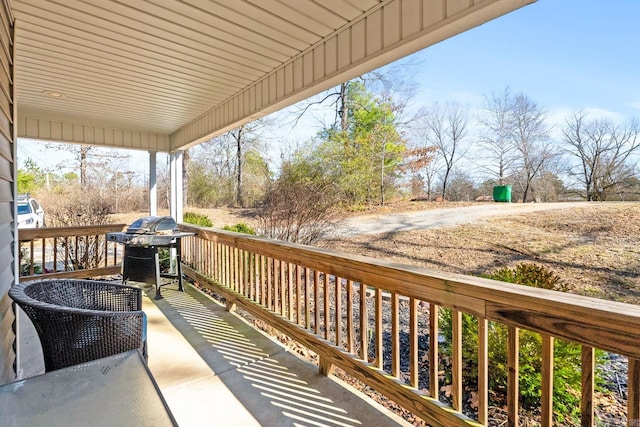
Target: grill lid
{"type": "Point", "coordinates": [153, 225]}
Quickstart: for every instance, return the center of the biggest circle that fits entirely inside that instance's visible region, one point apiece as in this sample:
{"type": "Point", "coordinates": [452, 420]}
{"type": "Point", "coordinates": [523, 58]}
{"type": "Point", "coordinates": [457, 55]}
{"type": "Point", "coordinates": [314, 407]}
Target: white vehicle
{"type": "Point", "coordinates": [30, 213]}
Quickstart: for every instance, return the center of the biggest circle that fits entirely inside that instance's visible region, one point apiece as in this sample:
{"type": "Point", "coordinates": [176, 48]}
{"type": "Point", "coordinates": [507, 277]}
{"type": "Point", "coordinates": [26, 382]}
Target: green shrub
{"type": "Point", "coordinates": [241, 227]}
{"type": "Point", "coordinates": [567, 355]}
{"type": "Point", "coordinates": [532, 275]}
{"type": "Point", "coordinates": [197, 219]}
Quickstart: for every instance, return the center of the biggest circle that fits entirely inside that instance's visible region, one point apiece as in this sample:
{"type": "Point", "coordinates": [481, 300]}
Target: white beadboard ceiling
{"type": "Point", "coordinates": [180, 71]}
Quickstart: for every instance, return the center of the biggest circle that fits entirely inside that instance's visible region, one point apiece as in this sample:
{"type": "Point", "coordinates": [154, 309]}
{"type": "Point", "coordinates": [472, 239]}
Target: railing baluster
{"type": "Point", "coordinates": [290, 296]}
{"type": "Point", "coordinates": [434, 381]}
{"type": "Point", "coordinates": [44, 254]}
{"type": "Point", "coordinates": [97, 259]}
{"type": "Point", "coordinates": [513, 366]}
{"type": "Point", "coordinates": [338, 313]}
{"type": "Point", "coordinates": [307, 297]}
{"type": "Point", "coordinates": [284, 285]}
{"type": "Point", "coordinates": [364, 324]}
{"type": "Point", "coordinates": [298, 300]}
{"type": "Point", "coordinates": [633, 393]}
{"type": "Point", "coordinates": [327, 311]}
{"type": "Point", "coordinates": [55, 255]}
{"type": "Point", "coordinates": [251, 275]}
{"type": "Point", "coordinates": [66, 253]}
{"type": "Point", "coordinates": [224, 265]}
{"type": "Point", "coordinates": [547, 381]}
{"type": "Point", "coordinates": [588, 367]}
{"type": "Point", "coordinates": [238, 267]}
{"type": "Point", "coordinates": [217, 265]}
{"type": "Point", "coordinates": [263, 280]}
{"type": "Point", "coordinates": [86, 252]}
{"type": "Point", "coordinates": [413, 342]}
{"type": "Point", "coordinates": [379, 331]}
{"type": "Point", "coordinates": [456, 363]}
{"type": "Point", "coordinates": [270, 266]}
{"type": "Point", "coordinates": [106, 252]}
{"type": "Point", "coordinates": [282, 291]}
{"type": "Point", "coordinates": [316, 301]}
{"type": "Point", "coordinates": [31, 258]}
{"type": "Point", "coordinates": [276, 286]}
{"type": "Point", "coordinates": [224, 262]}
{"type": "Point", "coordinates": [231, 268]}
{"type": "Point", "coordinates": [395, 336]}
{"type": "Point", "coordinates": [350, 327]}
{"type": "Point", "coordinates": [483, 371]}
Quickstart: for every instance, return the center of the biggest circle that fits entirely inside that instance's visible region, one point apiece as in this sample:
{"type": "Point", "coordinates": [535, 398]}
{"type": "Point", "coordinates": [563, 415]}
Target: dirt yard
{"type": "Point", "coordinates": [595, 249]}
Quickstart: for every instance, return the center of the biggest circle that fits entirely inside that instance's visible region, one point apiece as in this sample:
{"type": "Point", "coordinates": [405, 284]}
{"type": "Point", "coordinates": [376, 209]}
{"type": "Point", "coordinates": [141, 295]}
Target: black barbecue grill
{"type": "Point", "coordinates": [142, 239]}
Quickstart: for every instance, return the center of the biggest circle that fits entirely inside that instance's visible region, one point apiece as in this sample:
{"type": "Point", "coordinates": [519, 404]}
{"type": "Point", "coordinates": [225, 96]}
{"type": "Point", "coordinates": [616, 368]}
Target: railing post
{"type": "Point", "coordinates": [326, 367]}
{"type": "Point", "coordinates": [230, 305]}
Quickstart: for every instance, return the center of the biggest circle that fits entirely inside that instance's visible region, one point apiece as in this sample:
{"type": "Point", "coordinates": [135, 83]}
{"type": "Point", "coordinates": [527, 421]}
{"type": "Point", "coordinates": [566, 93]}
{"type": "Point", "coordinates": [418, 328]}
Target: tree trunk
{"type": "Point", "coordinates": [239, 137]}
{"type": "Point", "coordinates": [344, 108]}
{"type": "Point", "coordinates": [84, 149]}
{"type": "Point", "coordinates": [185, 177]}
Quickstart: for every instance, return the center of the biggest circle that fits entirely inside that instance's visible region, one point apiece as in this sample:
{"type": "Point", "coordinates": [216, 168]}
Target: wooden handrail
{"type": "Point", "coordinates": [83, 251]}
{"type": "Point", "coordinates": [256, 274]}
{"type": "Point", "coordinates": [27, 234]}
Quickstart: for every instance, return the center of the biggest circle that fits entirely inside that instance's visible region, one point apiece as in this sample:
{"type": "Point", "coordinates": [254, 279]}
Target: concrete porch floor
{"type": "Point", "coordinates": [215, 370]}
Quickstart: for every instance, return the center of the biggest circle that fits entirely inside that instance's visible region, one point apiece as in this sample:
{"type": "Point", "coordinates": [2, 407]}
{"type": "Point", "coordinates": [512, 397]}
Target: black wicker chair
{"type": "Point", "coordinates": [82, 320]}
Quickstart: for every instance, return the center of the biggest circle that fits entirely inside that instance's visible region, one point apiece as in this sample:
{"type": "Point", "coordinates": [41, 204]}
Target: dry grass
{"type": "Point", "coordinates": [595, 249]}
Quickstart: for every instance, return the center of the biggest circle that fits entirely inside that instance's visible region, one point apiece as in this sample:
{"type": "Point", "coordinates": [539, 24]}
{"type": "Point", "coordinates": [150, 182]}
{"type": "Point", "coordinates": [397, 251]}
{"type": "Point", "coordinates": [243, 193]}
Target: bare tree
{"type": "Point", "coordinates": [395, 82]}
{"type": "Point", "coordinates": [446, 128]}
{"type": "Point", "coordinates": [94, 163]}
{"type": "Point", "coordinates": [224, 167]}
{"type": "Point", "coordinates": [603, 151]}
{"type": "Point", "coordinates": [531, 137]}
{"type": "Point", "coordinates": [499, 151]}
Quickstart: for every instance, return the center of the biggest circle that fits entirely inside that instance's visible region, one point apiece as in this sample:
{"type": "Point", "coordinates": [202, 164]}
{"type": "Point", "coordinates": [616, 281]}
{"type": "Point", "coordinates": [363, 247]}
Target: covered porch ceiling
{"type": "Point", "coordinates": [164, 75]}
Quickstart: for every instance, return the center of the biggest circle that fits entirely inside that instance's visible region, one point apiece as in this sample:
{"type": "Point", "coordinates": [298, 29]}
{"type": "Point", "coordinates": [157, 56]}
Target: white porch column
{"type": "Point", "coordinates": [153, 188]}
{"type": "Point", "coordinates": [176, 185]}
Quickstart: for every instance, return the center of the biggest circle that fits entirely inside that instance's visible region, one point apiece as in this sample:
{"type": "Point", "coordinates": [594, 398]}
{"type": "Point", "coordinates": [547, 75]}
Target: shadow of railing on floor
{"type": "Point", "coordinates": [273, 383]}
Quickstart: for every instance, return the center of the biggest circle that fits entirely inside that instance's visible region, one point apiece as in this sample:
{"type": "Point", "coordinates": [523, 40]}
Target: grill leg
{"type": "Point", "coordinates": [158, 279]}
{"type": "Point", "coordinates": [179, 266]}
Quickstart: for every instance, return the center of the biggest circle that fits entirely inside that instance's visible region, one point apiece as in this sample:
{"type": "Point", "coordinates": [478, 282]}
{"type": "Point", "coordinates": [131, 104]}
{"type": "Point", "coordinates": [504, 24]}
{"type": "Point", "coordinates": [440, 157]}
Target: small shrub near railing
{"type": "Point", "coordinates": [241, 227]}
{"type": "Point", "coordinates": [197, 219]}
{"type": "Point", "coordinates": [567, 355]}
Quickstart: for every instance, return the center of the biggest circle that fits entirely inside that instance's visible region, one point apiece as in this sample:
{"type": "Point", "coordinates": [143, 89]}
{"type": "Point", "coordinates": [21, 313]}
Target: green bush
{"type": "Point", "coordinates": [532, 275]}
{"type": "Point", "coordinates": [197, 219]}
{"type": "Point", "coordinates": [567, 355]}
{"type": "Point", "coordinates": [240, 228]}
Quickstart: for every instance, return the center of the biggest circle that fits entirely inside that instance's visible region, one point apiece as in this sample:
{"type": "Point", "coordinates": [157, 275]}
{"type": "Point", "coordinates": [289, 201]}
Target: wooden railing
{"type": "Point", "coordinates": [68, 252]}
{"type": "Point", "coordinates": [348, 308]}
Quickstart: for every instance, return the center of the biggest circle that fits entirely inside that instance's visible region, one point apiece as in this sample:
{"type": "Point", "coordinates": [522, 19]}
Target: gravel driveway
{"type": "Point", "coordinates": [433, 218]}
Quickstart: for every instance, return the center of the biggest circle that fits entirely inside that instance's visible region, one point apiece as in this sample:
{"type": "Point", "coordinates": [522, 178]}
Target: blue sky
{"type": "Point", "coordinates": [564, 54]}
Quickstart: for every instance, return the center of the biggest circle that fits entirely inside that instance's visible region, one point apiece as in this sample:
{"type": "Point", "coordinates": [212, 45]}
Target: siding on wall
{"type": "Point", "coordinates": [7, 236]}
